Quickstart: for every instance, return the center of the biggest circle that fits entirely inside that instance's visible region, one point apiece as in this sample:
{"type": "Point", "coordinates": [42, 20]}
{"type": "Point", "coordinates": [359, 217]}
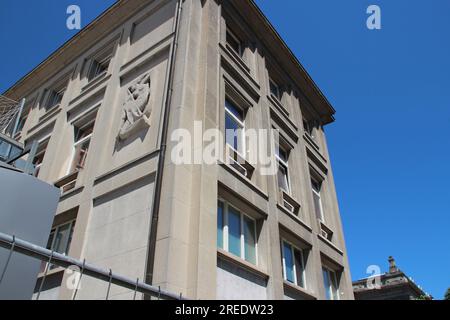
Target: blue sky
{"type": "Point", "coordinates": [391, 89]}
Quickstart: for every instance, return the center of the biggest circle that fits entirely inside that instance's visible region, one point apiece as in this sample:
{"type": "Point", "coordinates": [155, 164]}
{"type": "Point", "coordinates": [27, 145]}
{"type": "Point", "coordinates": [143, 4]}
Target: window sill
{"type": "Point", "coordinates": [330, 244]}
{"type": "Point", "coordinates": [299, 290]}
{"type": "Point", "coordinates": [71, 192]}
{"type": "Point", "coordinates": [244, 179]}
{"type": "Point", "coordinates": [49, 114]}
{"type": "Point", "coordinates": [240, 162]}
{"type": "Point", "coordinates": [284, 198]}
{"type": "Point", "coordinates": [222, 254]}
{"type": "Point", "coordinates": [311, 141]}
{"type": "Point", "coordinates": [236, 58]}
{"type": "Point", "coordinates": [51, 272]}
{"type": "Point", "coordinates": [65, 181]}
{"type": "Point", "coordinates": [295, 218]}
{"type": "Point", "coordinates": [99, 79]}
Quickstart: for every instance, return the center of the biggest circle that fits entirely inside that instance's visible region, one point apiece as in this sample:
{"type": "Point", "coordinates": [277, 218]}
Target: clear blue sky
{"type": "Point", "coordinates": [391, 89]}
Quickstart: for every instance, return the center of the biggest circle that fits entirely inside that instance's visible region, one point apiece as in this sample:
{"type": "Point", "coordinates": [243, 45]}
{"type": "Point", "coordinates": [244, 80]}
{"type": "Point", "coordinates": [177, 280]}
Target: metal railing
{"type": "Point", "coordinates": [14, 244]}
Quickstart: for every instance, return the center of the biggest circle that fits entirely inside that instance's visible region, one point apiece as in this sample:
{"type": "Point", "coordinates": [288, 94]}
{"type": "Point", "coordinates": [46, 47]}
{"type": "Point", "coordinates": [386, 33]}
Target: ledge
{"type": "Point", "coordinates": [239, 74]}
{"type": "Point", "coordinates": [285, 123]}
{"type": "Point", "coordinates": [317, 161]}
{"type": "Point", "coordinates": [146, 55]}
{"type": "Point", "coordinates": [66, 179]}
{"type": "Point", "coordinates": [51, 272]}
{"type": "Point", "coordinates": [284, 197]}
{"type": "Point", "coordinates": [236, 58]}
{"type": "Point", "coordinates": [277, 103]}
{"type": "Point", "coordinates": [126, 166]}
{"type": "Point", "coordinates": [294, 217]}
{"type": "Point", "coordinates": [50, 113]}
{"type": "Point", "coordinates": [43, 120]}
{"type": "Point", "coordinates": [92, 92]}
{"type": "Point", "coordinates": [244, 179]}
{"type": "Point", "coordinates": [298, 290]}
{"type": "Point", "coordinates": [96, 82]}
{"type": "Point", "coordinates": [330, 244]}
{"type": "Point", "coordinates": [71, 193]}
{"type": "Point", "coordinates": [222, 254]}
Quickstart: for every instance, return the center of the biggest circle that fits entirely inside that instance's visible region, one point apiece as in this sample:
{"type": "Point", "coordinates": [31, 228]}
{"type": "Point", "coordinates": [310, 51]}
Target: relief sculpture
{"type": "Point", "coordinates": [136, 108]}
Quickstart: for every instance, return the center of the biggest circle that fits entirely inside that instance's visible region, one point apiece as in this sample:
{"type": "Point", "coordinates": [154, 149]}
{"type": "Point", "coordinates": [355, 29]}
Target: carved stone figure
{"type": "Point", "coordinates": [136, 109]}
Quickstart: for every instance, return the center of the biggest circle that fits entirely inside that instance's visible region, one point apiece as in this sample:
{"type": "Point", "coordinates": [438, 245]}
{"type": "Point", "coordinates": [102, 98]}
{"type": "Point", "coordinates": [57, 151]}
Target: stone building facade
{"type": "Point", "coordinates": [104, 107]}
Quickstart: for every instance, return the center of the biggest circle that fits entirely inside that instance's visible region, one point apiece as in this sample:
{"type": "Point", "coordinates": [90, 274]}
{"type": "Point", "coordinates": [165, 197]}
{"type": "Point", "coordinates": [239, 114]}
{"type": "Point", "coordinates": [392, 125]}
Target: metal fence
{"type": "Point", "coordinates": [50, 258]}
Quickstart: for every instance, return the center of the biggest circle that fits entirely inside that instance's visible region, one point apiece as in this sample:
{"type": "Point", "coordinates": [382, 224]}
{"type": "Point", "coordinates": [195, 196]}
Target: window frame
{"type": "Point", "coordinates": [38, 165]}
{"type": "Point", "coordinates": [98, 62]}
{"type": "Point", "coordinates": [51, 100]}
{"type": "Point", "coordinates": [240, 122]}
{"type": "Point", "coordinates": [53, 234]}
{"type": "Point", "coordinates": [294, 267]}
{"type": "Point", "coordinates": [283, 163]}
{"type": "Point", "coordinates": [278, 95]}
{"type": "Point", "coordinates": [318, 193]}
{"type": "Point", "coordinates": [233, 35]}
{"type": "Point", "coordinates": [79, 142]}
{"type": "Point", "coordinates": [225, 231]}
{"type": "Point", "coordinates": [333, 280]}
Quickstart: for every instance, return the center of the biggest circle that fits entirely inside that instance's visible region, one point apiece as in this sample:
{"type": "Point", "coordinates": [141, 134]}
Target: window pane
{"type": "Point", "coordinates": [250, 240]}
{"type": "Point", "coordinates": [289, 262]}
{"type": "Point", "coordinates": [274, 89]}
{"type": "Point", "coordinates": [299, 268]}
{"type": "Point", "coordinates": [326, 283]}
{"type": "Point", "coordinates": [334, 286]}
{"type": "Point", "coordinates": [80, 156]}
{"type": "Point", "coordinates": [234, 232]}
{"type": "Point", "coordinates": [234, 43]}
{"type": "Point", "coordinates": [234, 110]}
{"type": "Point", "coordinates": [220, 225]}
{"type": "Point", "coordinates": [69, 241]}
{"type": "Point", "coordinates": [316, 186]}
{"type": "Point", "coordinates": [62, 237]}
{"type": "Point", "coordinates": [234, 133]}
{"type": "Point", "coordinates": [317, 206]}
{"type": "Point", "coordinates": [282, 177]}
{"type": "Point", "coordinates": [84, 132]}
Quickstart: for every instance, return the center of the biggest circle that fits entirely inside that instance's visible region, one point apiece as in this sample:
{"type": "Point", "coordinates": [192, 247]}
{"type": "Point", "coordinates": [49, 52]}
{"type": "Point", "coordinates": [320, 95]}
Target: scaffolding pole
{"type": "Point", "coordinates": [21, 246]}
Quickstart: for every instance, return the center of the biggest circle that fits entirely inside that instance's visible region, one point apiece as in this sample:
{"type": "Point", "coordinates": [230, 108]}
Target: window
{"type": "Point", "coordinates": [274, 89]}
{"type": "Point", "coordinates": [22, 122]}
{"type": "Point", "coordinates": [309, 128]}
{"type": "Point", "coordinates": [37, 162]}
{"type": "Point", "coordinates": [234, 42]}
{"type": "Point", "coordinates": [59, 240]}
{"type": "Point", "coordinates": [55, 98]}
{"type": "Point", "coordinates": [39, 157]}
{"type": "Point", "coordinates": [81, 146]}
{"type": "Point", "coordinates": [316, 187]}
{"type": "Point", "coordinates": [293, 264]}
{"type": "Point", "coordinates": [236, 232]}
{"type": "Point", "coordinates": [282, 156]}
{"type": "Point", "coordinates": [234, 127]}
{"type": "Point", "coordinates": [98, 67]}
{"type": "Point", "coordinates": [330, 282]}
